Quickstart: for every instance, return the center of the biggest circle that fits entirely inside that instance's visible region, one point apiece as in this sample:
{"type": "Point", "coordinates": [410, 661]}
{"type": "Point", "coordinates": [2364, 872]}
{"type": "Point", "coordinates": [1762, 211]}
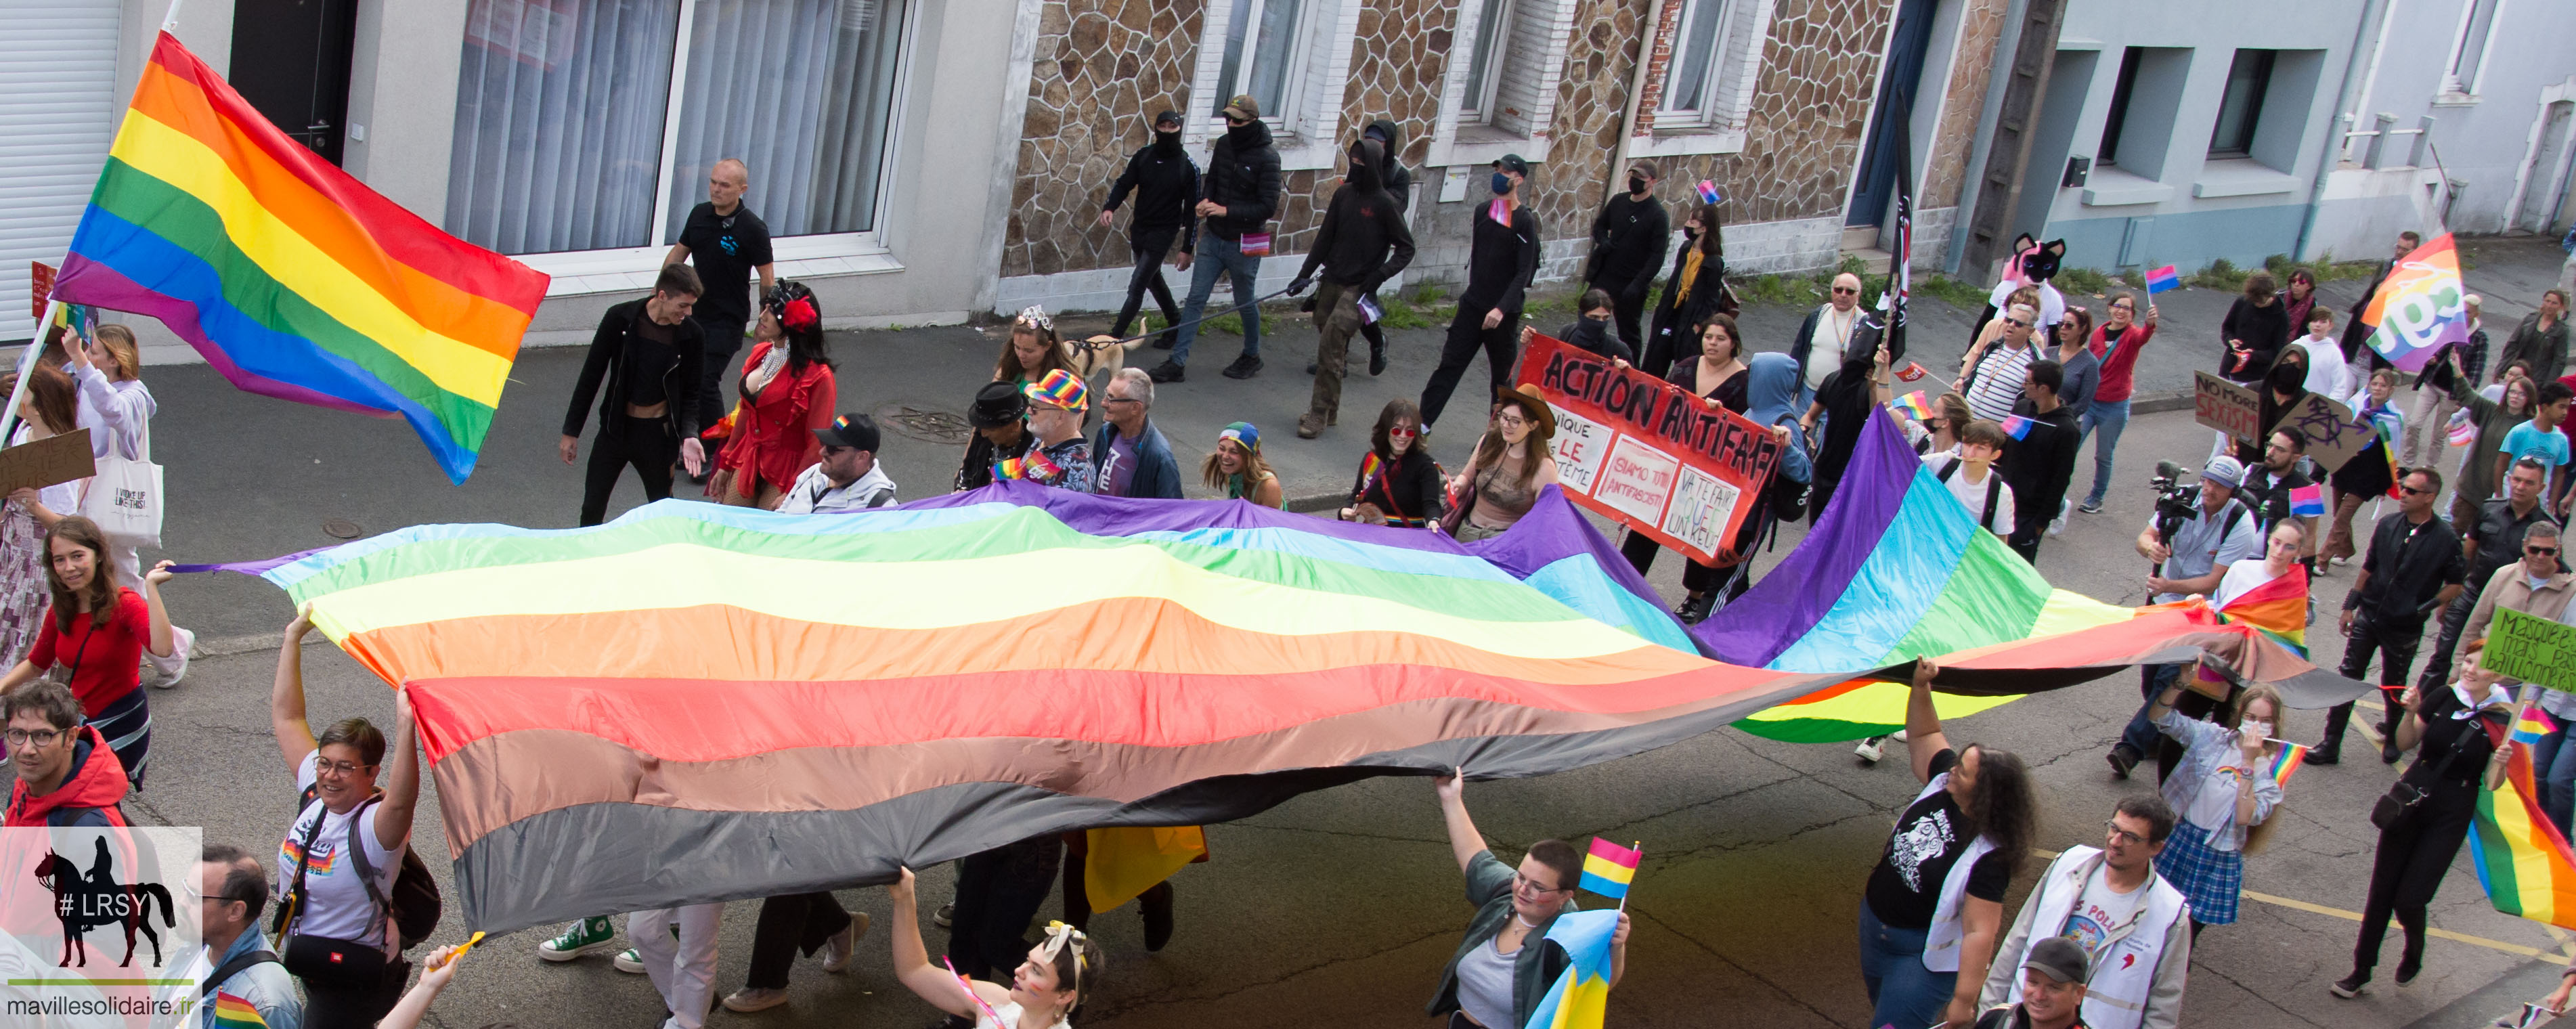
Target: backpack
{"type": "Point", "coordinates": [1994, 490]}
{"type": "Point", "coordinates": [415, 903]}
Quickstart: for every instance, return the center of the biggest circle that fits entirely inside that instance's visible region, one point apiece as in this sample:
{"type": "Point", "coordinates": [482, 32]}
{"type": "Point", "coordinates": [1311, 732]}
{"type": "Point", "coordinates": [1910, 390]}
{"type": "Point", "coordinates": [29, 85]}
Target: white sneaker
{"type": "Point", "coordinates": [1899, 736]}
{"type": "Point", "coordinates": [629, 961]}
{"type": "Point", "coordinates": [2058, 524]}
{"type": "Point", "coordinates": [1868, 749]}
{"type": "Point", "coordinates": [945, 917]}
{"type": "Point", "coordinates": [838, 949]}
{"type": "Point", "coordinates": [750, 999]}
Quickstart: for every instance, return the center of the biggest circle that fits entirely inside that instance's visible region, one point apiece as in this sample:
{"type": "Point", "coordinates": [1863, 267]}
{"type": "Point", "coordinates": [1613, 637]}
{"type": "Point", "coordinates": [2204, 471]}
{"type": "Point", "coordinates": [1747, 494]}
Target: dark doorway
{"type": "Point", "coordinates": [291, 60]}
{"type": "Point", "coordinates": [1876, 186]}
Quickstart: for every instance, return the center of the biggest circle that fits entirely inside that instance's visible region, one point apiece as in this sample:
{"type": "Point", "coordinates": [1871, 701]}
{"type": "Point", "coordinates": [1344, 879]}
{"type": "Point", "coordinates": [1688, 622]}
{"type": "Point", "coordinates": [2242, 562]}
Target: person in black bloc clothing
{"type": "Point", "coordinates": [2414, 566]}
{"type": "Point", "coordinates": [727, 243]}
{"type": "Point", "coordinates": [1362, 242]}
{"type": "Point", "coordinates": [1166, 184]}
{"type": "Point", "coordinates": [651, 355]}
{"type": "Point", "coordinates": [1502, 257]}
{"type": "Point", "coordinates": [2041, 462]}
{"type": "Point", "coordinates": [1629, 239]}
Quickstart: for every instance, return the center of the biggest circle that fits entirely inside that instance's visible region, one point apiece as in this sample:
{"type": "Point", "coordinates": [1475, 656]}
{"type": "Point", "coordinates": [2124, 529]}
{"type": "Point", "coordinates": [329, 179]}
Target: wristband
{"type": "Point", "coordinates": [2351, 600]}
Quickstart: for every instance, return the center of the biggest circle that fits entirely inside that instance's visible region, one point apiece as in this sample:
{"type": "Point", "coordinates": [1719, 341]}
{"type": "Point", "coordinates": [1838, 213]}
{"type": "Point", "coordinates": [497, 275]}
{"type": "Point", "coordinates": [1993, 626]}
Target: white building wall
{"type": "Point", "coordinates": [2487, 142]}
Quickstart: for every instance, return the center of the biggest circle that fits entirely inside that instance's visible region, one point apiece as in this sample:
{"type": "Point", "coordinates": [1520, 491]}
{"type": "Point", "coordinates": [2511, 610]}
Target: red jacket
{"type": "Point", "coordinates": [773, 435]}
{"type": "Point", "coordinates": [88, 796]}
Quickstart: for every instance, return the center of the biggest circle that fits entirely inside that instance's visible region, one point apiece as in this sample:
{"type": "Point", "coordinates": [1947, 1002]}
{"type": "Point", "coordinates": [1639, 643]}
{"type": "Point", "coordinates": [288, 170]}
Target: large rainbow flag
{"type": "Point", "coordinates": [2522, 860]}
{"type": "Point", "coordinates": [915, 684]}
{"type": "Point", "coordinates": [292, 278]}
{"type": "Point", "coordinates": [2417, 309]}
{"type": "Point", "coordinates": [2278, 607]}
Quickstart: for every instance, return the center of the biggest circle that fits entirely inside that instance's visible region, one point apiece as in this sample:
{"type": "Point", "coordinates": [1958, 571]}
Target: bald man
{"type": "Point", "coordinates": [727, 243]}
{"type": "Point", "coordinates": [1826, 334]}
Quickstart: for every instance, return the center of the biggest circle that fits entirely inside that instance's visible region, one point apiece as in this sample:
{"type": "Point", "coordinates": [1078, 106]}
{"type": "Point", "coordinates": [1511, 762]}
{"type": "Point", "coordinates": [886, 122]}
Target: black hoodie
{"type": "Point", "coordinates": [1399, 182]}
{"type": "Point", "coordinates": [1243, 178]}
{"type": "Point", "coordinates": [1166, 183]}
{"type": "Point", "coordinates": [1361, 224]}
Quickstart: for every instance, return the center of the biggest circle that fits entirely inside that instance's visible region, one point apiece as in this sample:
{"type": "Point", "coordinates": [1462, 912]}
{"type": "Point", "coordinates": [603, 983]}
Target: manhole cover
{"type": "Point", "coordinates": [341, 528]}
{"type": "Point", "coordinates": [925, 424]}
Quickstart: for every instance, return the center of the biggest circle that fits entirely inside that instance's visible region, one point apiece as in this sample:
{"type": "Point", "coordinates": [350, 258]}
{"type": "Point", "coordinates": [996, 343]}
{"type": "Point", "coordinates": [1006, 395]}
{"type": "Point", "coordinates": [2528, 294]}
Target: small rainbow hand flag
{"type": "Point", "coordinates": [2534, 724]}
{"type": "Point", "coordinates": [232, 1012]}
{"type": "Point", "coordinates": [2463, 432]}
{"type": "Point", "coordinates": [2308, 501]}
{"type": "Point", "coordinates": [1609, 867]}
{"type": "Point", "coordinates": [1915, 405]}
{"type": "Point", "coordinates": [2162, 279]}
{"type": "Point", "coordinates": [2017, 426]}
{"type": "Point", "coordinates": [2287, 761]}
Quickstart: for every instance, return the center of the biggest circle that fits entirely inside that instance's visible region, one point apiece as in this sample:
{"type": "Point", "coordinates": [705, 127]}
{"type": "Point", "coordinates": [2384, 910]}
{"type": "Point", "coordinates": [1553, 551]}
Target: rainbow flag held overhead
{"type": "Point", "coordinates": [2418, 310]}
{"type": "Point", "coordinates": [1580, 998]}
{"type": "Point", "coordinates": [1609, 868]}
{"type": "Point", "coordinates": [2522, 859]}
{"type": "Point", "coordinates": [2532, 725]}
{"type": "Point", "coordinates": [294, 279]}
{"type": "Point", "coordinates": [2287, 762]}
{"type": "Point", "coordinates": [2163, 279]}
{"type": "Point", "coordinates": [232, 1012]}
{"type": "Point", "coordinates": [2279, 608]}
{"type": "Point", "coordinates": [2308, 501]}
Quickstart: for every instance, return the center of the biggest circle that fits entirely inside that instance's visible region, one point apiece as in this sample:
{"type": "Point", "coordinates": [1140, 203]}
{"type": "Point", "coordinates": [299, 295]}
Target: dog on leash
{"type": "Point", "coordinates": [1098, 358]}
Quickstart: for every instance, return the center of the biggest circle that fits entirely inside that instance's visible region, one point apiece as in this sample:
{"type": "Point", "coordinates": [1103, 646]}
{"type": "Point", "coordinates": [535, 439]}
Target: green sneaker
{"type": "Point", "coordinates": [588, 936]}
{"type": "Point", "coordinates": [629, 961]}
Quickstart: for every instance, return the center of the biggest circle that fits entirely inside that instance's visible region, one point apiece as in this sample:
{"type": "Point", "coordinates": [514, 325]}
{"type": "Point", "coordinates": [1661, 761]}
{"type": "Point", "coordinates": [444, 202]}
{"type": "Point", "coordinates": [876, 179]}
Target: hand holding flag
{"type": "Point", "coordinates": [1608, 869]}
{"type": "Point", "coordinates": [2162, 279]}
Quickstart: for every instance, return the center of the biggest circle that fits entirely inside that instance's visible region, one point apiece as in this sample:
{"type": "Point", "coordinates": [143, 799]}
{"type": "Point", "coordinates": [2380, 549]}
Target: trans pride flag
{"type": "Point", "coordinates": [293, 279]}
{"type": "Point", "coordinates": [2417, 310]}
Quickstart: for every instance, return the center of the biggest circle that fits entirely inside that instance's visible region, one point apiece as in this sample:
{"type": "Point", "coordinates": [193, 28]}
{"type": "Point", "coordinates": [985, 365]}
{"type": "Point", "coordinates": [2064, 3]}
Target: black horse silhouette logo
{"type": "Point", "coordinates": [86, 902]}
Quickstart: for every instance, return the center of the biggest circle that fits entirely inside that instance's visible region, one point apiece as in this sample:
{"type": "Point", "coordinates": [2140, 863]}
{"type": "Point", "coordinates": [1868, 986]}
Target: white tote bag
{"type": "Point", "coordinates": [125, 497]}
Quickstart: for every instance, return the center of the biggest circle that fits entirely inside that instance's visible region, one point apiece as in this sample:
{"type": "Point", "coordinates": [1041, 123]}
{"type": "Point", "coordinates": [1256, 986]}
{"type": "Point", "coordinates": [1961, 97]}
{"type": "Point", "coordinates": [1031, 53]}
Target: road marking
{"type": "Point", "coordinates": [2534, 953]}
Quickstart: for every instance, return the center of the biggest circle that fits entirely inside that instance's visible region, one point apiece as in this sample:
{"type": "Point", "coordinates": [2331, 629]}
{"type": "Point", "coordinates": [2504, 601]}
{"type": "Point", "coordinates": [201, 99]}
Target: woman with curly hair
{"type": "Point", "coordinates": [1399, 483]}
{"type": "Point", "coordinates": [788, 392]}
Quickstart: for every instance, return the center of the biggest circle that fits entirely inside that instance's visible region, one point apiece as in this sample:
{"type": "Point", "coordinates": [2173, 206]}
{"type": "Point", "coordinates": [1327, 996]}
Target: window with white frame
{"type": "Point", "coordinates": [1500, 96]}
{"type": "Point", "coordinates": [1704, 85]}
{"type": "Point", "coordinates": [2469, 47]}
{"type": "Point", "coordinates": [1265, 52]}
{"type": "Point", "coordinates": [1485, 62]}
{"type": "Point", "coordinates": [578, 130]}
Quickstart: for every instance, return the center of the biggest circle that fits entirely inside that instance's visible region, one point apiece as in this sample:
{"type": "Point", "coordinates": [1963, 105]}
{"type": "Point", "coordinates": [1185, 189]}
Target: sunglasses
{"type": "Point", "coordinates": [2541, 551]}
{"type": "Point", "coordinates": [2414, 491]}
{"type": "Point", "coordinates": [1405, 431]}
{"type": "Point", "coordinates": [1841, 290]}
{"type": "Point", "coordinates": [2017, 323]}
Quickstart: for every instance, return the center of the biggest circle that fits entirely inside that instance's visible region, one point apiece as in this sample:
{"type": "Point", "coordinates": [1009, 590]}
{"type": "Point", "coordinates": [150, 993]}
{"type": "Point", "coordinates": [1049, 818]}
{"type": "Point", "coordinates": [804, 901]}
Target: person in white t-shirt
{"type": "Point", "coordinates": [2133, 924]}
{"type": "Point", "coordinates": [338, 939]}
{"type": "Point", "coordinates": [2328, 374]}
{"type": "Point", "coordinates": [1970, 475]}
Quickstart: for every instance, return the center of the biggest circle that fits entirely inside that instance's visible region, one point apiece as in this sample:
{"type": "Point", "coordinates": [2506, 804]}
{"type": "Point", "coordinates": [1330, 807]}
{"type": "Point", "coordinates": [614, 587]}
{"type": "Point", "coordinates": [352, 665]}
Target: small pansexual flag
{"type": "Point", "coordinates": [2163, 279]}
{"type": "Point", "coordinates": [2017, 426]}
{"type": "Point", "coordinates": [1609, 867]}
{"type": "Point", "coordinates": [2287, 761]}
{"type": "Point", "coordinates": [2308, 501]}
{"type": "Point", "coordinates": [1708, 192]}
{"type": "Point", "coordinates": [1915, 404]}
{"type": "Point", "coordinates": [2532, 725]}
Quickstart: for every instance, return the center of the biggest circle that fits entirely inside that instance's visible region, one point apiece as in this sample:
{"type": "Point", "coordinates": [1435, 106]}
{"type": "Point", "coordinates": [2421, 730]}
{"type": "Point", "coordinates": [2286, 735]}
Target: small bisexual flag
{"type": "Point", "coordinates": [1369, 312]}
{"type": "Point", "coordinates": [2163, 279]}
{"type": "Point", "coordinates": [1609, 867]}
{"type": "Point", "coordinates": [2308, 501]}
{"type": "Point", "coordinates": [2287, 761]}
{"type": "Point", "coordinates": [1913, 372]}
{"type": "Point", "coordinates": [2017, 426]}
{"type": "Point", "coordinates": [1708, 192]}
{"type": "Point", "coordinates": [1916, 404]}
{"type": "Point", "coordinates": [2532, 725]}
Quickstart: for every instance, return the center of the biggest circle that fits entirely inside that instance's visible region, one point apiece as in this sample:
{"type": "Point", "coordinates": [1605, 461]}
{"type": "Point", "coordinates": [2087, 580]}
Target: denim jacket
{"type": "Point", "coordinates": [265, 985]}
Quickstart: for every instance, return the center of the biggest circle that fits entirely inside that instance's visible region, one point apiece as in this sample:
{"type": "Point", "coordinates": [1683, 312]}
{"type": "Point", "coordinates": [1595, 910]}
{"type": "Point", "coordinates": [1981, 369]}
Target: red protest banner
{"type": "Point", "coordinates": [1647, 452]}
{"type": "Point", "coordinates": [40, 284]}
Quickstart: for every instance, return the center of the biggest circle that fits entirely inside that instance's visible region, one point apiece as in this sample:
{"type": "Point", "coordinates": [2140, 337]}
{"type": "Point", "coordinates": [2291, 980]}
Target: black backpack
{"type": "Point", "coordinates": [415, 903]}
{"type": "Point", "coordinates": [1994, 493]}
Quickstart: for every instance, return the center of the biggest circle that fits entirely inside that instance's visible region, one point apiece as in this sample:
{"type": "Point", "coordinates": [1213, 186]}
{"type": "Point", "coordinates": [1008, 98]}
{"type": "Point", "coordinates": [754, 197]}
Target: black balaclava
{"type": "Point", "coordinates": [1366, 156]}
{"type": "Point", "coordinates": [1167, 144]}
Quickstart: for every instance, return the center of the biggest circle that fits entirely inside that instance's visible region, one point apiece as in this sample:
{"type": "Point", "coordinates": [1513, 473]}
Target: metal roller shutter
{"type": "Point", "coordinates": [58, 78]}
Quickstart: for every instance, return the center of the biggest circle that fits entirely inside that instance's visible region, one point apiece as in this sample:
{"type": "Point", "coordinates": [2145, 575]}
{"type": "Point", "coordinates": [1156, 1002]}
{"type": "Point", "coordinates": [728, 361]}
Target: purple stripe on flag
{"type": "Point", "coordinates": [1787, 603]}
{"type": "Point", "coordinates": [259, 567]}
{"type": "Point", "coordinates": [100, 286]}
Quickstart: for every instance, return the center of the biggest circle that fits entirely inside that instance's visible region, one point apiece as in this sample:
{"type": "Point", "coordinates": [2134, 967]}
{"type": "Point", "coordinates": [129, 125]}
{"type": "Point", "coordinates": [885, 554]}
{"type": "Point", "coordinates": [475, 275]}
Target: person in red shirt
{"type": "Point", "coordinates": [2117, 342]}
{"type": "Point", "coordinates": [66, 776]}
{"type": "Point", "coordinates": [98, 631]}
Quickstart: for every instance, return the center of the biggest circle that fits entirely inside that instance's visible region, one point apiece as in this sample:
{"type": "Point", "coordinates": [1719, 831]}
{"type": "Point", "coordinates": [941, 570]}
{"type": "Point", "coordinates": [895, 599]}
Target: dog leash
{"type": "Point", "coordinates": [1095, 343]}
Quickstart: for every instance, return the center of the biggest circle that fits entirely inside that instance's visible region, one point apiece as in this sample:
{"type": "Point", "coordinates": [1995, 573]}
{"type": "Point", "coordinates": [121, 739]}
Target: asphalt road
{"type": "Point", "coordinates": [1338, 907]}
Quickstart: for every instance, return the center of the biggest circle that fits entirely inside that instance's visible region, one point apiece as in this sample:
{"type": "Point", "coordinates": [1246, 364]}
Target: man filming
{"type": "Point", "coordinates": [2191, 552]}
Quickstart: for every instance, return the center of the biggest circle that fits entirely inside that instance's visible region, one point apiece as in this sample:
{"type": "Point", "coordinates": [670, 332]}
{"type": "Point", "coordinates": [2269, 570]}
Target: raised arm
{"type": "Point", "coordinates": [1922, 723]}
{"type": "Point", "coordinates": [157, 639]}
{"type": "Point", "coordinates": [286, 698]}
{"type": "Point", "coordinates": [912, 959]}
{"type": "Point", "coordinates": [402, 777]}
{"type": "Point", "coordinates": [1464, 841]}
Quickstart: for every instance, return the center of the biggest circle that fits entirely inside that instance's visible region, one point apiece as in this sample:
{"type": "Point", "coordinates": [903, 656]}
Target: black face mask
{"type": "Point", "coordinates": [1167, 143]}
{"type": "Point", "coordinates": [1636, 184]}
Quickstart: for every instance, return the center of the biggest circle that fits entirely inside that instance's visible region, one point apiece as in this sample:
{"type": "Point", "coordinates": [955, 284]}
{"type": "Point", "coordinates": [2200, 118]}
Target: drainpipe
{"type": "Point", "coordinates": [2372, 18]}
{"type": "Point", "coordinates": [1996, 78]}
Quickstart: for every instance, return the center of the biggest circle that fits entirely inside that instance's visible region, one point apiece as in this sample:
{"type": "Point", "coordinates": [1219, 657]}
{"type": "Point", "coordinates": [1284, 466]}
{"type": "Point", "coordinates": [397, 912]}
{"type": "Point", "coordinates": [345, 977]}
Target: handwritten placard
{"type": "Point", "coordinates": [1649, 453]}
{"type": "Point", "coordinates": [2532, 649]}
{"type": "Point", "coordinates": [50, 461]}
{"type": "Point", "coordinates": [2226, 406]}
{"type": "Point", "coordinates": [2333, 436]}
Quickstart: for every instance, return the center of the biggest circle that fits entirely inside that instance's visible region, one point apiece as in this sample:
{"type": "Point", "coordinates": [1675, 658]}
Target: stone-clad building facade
{"type": "Point", "coordinates": [1769, 100]}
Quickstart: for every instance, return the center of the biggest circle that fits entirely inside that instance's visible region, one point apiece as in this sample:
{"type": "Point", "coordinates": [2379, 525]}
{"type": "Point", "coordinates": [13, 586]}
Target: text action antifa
{"type": "Point", "coordinates": [1648, 453]}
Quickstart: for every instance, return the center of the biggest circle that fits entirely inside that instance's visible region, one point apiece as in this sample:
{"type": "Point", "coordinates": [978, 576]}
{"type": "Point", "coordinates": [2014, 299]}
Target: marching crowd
{"type": "Point", "coordinates": [317, 937]}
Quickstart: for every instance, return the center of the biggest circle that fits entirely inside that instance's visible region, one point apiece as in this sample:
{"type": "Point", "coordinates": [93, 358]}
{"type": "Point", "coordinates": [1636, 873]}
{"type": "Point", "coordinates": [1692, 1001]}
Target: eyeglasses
{"type": "Point", "coordinates": [39, 737]}
{"type": "Point", "coordinates": [2122, 836]}
{"type": "Point", "coordinates": [1511, 420]}
{"type": "Point", "coordinates": [1525, 884]}
{"type": "Point", "coordinates": [323, 764]}
{"type": "Point", "coordinates": [1405, 431]}
{"type": "Point", "coordinates": [1113, 399]}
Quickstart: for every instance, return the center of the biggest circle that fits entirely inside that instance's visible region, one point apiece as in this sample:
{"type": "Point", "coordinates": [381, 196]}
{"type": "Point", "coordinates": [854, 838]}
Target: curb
{"type": "Point", "coordinates": [2157, 403]}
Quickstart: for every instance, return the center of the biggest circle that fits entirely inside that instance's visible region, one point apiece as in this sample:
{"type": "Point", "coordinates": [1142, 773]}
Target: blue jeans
{"type": "Point", "coordinates": [2553, 762]}
{"type": "Point", "coordinates": [2142, 735]}
{"type": "Point", "coordinates": [1904, 993]}
{"type": "Point", "coordinates": [1215, 254]}
{"type": "Point", "coordinates": [2109, 416]}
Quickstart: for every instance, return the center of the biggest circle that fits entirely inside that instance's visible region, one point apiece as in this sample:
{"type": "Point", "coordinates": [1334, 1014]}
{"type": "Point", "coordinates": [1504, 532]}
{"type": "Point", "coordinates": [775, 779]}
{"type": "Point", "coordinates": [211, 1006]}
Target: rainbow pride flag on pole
{"type": "Point", "coordinates": [2417, 310]}
{"type": "Point", "coordinates": [1580, 999]}
{"type": "Point", "coordinates": [1609, 868]}
{"type": "Point", "coordinates": [2522, 860]}
{"type": "Point", "coordinates": [293, 279]}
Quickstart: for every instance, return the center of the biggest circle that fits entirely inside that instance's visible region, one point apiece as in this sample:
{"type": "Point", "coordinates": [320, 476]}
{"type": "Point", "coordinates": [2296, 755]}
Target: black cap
{"type": "Point", "coordinates": [1168, 118]}
{"type": "Point", "coordinates": [996, 405]}
{"type": "Point", "coordinates": [855, 431]}
{"type": "Point", "coordinates": [1512, 163]}
{"type": "Point", "coordinates": [2058, 958]}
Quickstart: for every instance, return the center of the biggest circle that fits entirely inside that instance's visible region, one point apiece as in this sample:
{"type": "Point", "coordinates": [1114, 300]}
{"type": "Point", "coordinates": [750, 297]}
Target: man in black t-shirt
{"type": "Point", "coordinates": [727, 243]}
{"type": "Point", "coordinates": [641, 364]}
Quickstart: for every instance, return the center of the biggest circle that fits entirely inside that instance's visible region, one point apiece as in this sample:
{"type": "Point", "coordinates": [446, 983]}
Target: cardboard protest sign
{"type": "Point", "coordinates": [2333, 436]}
{"type": "Point", "coordinates": [2226, 406]}
{"type": "Point", "coordinates": [46, 462]}
{"type": "Point", "coordinates": [40, 285]}
{"type": "Point", "coordinates": [1648, 453]}
{"type": "Point", "coordinates": [2532, 649]}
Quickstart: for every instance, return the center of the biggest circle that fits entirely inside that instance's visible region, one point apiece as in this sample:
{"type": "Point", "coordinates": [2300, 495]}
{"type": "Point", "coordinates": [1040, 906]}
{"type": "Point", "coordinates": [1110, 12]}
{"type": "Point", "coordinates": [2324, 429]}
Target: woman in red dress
{"type": "Point", "coordinates": [787, 392]}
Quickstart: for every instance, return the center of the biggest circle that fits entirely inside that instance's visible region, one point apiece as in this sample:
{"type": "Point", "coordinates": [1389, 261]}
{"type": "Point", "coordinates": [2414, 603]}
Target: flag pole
{"type": "Point", "coordinates": [170, 21]}
{"type": "Point", "coordinates": [1640, 848]}
{"type": "Point", "coordinates": [27, 363]}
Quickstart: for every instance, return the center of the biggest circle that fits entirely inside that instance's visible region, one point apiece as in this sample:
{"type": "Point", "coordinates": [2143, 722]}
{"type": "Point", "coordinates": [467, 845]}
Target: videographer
{"type": "Point", "coordinates": [2205, 538]}
{"type": "Point", "coordinates": [2268, 487]}
{"type": "Point", "coordinates": [2414, 567]}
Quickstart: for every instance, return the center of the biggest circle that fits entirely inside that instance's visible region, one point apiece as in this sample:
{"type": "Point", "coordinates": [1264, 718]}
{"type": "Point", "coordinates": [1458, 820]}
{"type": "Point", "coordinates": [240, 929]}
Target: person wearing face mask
{"type": "Point", "coordinates": [1590, 329]}
{"type": "Point", "coordinates": [1629, 238]}
{"type": "Point", "coordinates": [1238, 198]}
{"type": "Point", "coordinates": [1362, 243]}
{"type": "Point", "coordinates": [1502, 257]}
{"type": "Point", "coordinates": [1166, 184]}
{"type": "Point", "coordinates": [1695, 290]}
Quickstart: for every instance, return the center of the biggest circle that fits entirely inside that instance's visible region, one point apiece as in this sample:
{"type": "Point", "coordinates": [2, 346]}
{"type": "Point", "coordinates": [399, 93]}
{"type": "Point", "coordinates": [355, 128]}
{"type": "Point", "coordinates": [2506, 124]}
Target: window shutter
{"type": "Point", "coordinates": [58, 72]}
